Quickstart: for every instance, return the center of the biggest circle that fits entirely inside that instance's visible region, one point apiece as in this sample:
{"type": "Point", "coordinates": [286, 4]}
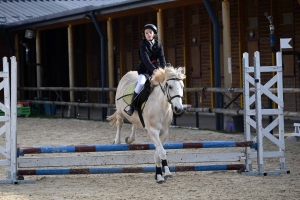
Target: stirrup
{"type": "Point", "coordinates": [127, 112]}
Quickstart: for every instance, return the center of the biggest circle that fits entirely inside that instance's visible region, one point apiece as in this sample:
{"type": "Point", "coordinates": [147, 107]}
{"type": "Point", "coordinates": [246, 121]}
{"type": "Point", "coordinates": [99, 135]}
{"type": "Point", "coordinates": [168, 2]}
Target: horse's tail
{"type": "Point", "coordinates": [112, 119]}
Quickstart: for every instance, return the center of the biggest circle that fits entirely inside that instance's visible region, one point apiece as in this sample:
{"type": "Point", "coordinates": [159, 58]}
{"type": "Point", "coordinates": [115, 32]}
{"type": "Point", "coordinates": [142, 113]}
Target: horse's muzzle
{"type": "Point", "coordinates": [178, 110]}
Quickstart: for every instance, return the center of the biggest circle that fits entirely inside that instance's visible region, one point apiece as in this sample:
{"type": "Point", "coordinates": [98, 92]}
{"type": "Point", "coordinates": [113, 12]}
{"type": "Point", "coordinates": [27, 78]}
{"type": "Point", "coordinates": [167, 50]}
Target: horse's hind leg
{"type": "Point", "coordinates": [131, 138]}
{"type": "Point", "coordinates": [119, 124]}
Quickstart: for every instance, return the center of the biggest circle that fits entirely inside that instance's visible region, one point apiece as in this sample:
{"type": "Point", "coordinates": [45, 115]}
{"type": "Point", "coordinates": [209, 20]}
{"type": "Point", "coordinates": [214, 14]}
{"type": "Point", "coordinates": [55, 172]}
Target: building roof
{"type": "Point", "coordinates": [18, 11]}
{"type": "Point", "coordinates": [20, 14]}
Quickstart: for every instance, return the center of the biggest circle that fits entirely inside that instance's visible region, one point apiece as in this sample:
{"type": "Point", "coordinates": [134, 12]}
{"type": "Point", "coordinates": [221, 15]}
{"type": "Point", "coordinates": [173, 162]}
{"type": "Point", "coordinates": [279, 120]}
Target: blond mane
{"type": "Point", "coordinates": [167, 73]}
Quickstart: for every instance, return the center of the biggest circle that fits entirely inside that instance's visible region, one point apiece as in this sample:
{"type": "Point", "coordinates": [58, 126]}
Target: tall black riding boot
{"type": "Point", "coordinates": [131, 106]}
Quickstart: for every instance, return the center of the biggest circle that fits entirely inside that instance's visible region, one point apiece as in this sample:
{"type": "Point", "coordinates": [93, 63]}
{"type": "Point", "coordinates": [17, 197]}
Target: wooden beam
{"type": "Point", "coordinates": [122, 48]}
{"type": "Point", "coordinates": [211, 65]}
{"type": "Point", "coordinates": [71, 65]}
{"type": "Point", "coordinates": [242, 36]}
{"type": "Point", "coordinates": [126, 13]}
{"type": "Point", "coordinates": [186, 47]}
{"type": "Point", "coordinates": [38, 61]}
{"type": "Point", "coordinates": [111, 67]}
{"type": "Point", "coordinates": [160, 26]}
{"type": "Point", "coordinates": [89, 55]}
{"type": "Point", "coordinates": [177, 4]}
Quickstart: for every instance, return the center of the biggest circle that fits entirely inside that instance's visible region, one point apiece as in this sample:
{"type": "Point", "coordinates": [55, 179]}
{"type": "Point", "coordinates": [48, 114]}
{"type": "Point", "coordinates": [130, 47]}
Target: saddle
{"type": "Point", "coordinates": [141, 99]}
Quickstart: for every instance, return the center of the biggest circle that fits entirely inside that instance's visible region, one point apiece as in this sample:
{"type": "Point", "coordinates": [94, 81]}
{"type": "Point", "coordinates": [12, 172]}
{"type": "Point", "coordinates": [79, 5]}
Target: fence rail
{"type": "Point", "coordinates": [201, 89]}
{"type": "Point", "coordinates": [195, 109]}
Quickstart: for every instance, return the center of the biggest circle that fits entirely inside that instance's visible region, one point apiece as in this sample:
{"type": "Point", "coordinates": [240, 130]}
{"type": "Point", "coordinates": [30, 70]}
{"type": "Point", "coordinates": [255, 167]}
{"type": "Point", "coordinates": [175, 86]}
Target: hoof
{"type": "Point", "coordinates": [168, 176]}
{"type": "Point", "coordinates": [241, 170]}
{"type": "Point", "coordinates": [167, 173]}
{"type": "Point", "coordinates": [117, 141]}
{"type": "Point", "coordinates": [127, 140]}
{"type": "Point", "coordinates": [159, 178]}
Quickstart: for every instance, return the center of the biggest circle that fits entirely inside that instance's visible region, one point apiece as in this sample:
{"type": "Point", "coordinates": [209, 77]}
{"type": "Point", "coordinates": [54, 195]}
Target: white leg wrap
{"type": "Point", "coordinates": [167, 173]}
{"type": "Point", "coordinates": [159, 179]}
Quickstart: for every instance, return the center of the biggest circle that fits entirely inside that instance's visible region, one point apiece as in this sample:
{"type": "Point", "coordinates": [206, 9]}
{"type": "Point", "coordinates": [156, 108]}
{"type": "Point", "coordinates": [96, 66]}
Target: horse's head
{"type": "Point", "coordinates": [171, 83]}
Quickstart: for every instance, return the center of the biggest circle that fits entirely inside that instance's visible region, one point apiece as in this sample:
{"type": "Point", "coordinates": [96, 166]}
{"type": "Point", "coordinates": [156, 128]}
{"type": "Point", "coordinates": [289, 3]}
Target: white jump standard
{"type": "Point", "coordinates": [258, 112]}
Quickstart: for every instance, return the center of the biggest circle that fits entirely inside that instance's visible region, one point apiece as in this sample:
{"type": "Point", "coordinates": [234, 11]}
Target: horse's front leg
{"type": "Point", "coordinates": [158, 172]}
{"type": "Point", "coordinates": [119, 125]}
{"type": "Point", "coordinates": [131, 138]}
{"type": "Point", "coordinates": [160, 154]}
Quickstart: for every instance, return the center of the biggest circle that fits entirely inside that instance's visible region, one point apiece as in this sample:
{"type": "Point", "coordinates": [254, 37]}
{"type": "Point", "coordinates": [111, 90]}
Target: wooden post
{"type": "Point", "coordinates": [211, 62]}
{"type": "Point", "coordinates": [111, 67]}
{"type": "Point", "coordinates": [242, 36]}
{"type": "Point", "coordinates": [38, 61]}
{"type": "Point", "coordinates": [122, 49]}
{"type": "Point", "coordinates": [18, 71]}
{"type": "Point", "coordinates": [226, 44]}
{"type": "Point", "coordinates": [160, 26]}
{"type": "Point", "coordinates": [226, 52]}
{"type": "Point", "coordinates": [71, 65]}
{"type": "Point", "coordinates": [186, 46]}
{"type": "Point", "coordinates": [89, 55]}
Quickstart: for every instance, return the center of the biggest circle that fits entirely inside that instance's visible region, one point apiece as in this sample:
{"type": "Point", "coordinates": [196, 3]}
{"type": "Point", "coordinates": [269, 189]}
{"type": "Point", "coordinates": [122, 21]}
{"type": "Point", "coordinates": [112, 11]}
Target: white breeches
{"type": "Point", "coordinates": [140, 84]}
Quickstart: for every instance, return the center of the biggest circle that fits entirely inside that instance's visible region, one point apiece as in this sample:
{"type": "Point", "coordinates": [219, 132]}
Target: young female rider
{"type": "Point", "coordinates": [151, 56]}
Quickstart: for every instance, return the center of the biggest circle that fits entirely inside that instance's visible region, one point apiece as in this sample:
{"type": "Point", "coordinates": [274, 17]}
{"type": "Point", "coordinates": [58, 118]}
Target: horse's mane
{"type": "Point", "coordinates": [167, 73]}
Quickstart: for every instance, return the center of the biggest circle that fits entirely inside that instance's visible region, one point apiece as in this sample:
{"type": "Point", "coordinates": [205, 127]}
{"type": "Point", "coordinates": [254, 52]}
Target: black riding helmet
{"type": "Point", "coordinates": [149, 26]}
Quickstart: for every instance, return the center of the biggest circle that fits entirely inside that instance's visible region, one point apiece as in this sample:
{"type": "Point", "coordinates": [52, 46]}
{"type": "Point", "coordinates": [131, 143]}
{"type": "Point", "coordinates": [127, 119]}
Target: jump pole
{"type": "Point", "coordinates": [116, 170]}
{"type": "Point", "coordinates": [131, 147]}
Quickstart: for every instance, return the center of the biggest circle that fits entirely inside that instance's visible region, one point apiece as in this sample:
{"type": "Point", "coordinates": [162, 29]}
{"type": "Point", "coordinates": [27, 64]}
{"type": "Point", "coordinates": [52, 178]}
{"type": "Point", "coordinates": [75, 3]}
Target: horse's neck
{"type": "Point", "coordinates": [159, 99]}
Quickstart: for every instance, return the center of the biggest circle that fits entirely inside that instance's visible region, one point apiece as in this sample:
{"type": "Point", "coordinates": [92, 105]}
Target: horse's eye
{"type": "Point", "coordinates": [170, 87]}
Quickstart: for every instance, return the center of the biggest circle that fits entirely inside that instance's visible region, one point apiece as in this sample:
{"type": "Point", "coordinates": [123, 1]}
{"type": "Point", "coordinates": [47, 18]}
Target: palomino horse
{"type": "Point", "coordinates": [165, 99]}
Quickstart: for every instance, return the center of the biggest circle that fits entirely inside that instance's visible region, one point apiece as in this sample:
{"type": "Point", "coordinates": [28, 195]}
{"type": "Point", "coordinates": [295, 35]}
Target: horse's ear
{"type": "Point", "coordinates": [169, 65]}
{"type": "Point", "coordinates": [181, 70]}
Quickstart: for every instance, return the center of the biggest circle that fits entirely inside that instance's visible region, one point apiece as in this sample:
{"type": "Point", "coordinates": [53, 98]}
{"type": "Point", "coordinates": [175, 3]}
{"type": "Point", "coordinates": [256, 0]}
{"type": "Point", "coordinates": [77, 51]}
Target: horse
{"type": "Point", "coordinates": [164, 101]}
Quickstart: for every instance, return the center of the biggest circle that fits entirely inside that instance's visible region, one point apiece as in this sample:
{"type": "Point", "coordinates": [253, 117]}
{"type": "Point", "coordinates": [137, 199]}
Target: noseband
{"type": "Point", "coordinates": [166, 91]}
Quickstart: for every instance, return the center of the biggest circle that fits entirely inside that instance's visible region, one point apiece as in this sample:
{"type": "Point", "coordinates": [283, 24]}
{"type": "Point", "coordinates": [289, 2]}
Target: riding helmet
{"type": "Point", "coordinates": [149, 26]}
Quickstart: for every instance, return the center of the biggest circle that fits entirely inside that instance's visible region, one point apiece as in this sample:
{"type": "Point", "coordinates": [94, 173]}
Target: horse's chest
{"type": "Point", "coordinates": [162, 118]}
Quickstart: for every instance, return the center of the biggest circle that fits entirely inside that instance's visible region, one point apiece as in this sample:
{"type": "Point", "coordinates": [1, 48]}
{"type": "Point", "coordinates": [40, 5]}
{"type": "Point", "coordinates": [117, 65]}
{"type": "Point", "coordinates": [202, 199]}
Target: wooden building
{"type": "Point", "coordinates": [68, 40]}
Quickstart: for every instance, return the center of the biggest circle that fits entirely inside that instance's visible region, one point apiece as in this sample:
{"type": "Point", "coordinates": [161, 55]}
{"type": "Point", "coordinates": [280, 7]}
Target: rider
{"type": "Point", "coordinates": [152, 56]}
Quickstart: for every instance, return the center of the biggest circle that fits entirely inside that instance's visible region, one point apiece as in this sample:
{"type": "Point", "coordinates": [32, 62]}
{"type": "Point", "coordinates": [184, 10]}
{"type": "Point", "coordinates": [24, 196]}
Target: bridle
{"type": "Point", "coordinates": [166, 91]}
